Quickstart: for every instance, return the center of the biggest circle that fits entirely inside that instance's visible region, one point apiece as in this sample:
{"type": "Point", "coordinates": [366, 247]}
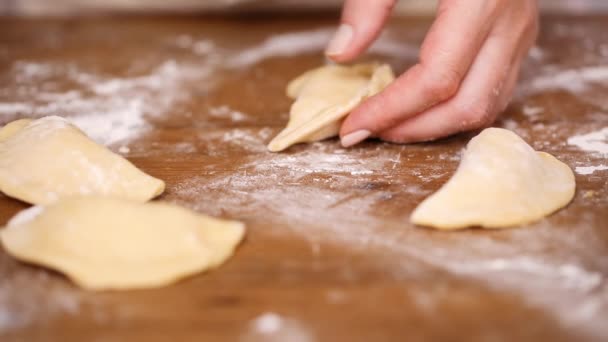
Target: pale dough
{"type": "Point", "coordinates": [324, 97]}
{"type": "Point", "coordinates": [501, 182]}
{"type": "Point", "coordinates": [104, 243]}
{"type": "Point", "coordinates": [47, 159]}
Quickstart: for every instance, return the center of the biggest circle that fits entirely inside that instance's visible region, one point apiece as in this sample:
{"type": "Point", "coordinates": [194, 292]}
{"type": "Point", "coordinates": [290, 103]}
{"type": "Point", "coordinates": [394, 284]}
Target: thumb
{"type": "Point", "coordinates": [362, 21]}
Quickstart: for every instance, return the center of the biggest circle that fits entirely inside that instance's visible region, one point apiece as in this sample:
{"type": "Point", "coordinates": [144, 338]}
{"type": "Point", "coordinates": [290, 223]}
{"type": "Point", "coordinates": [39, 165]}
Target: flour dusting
{"type": "Point", "coordinates": [594, 142]}
{"type": "Point", "coordinates": [307, 162]}
{"type": "Point", "coordinates": [574, 80]}
{"type": "Point", "coordinates": [109, 109]}
{"type": "Point", "coordinates": [28, 298]}
{"type": "Point", "coordinates": [297, 43]}
{"type": "Point", "coordinates": [225, 112]}
{"type": "Point", "coordinates": [588, 170]}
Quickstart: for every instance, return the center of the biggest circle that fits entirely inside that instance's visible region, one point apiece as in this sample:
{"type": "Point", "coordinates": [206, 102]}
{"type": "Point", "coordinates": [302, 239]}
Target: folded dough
{"type": "Point", "coordinates": [324, 97]}
{"type": "Point", "coordinates": [501, 182]}
{"type": "Point", "coordinates": [49, 158]}
{"type": "Point", "coordinates": [104, 243]}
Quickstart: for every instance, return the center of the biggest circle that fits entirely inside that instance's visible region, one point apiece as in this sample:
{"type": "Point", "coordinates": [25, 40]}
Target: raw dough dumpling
{"type": "Point", "coordinates": [324, 97]}
{"type": "Point", "coordinates": [501, 182]}
{"type": "Point", "coordinates": [104, 243]}
{"type": "Point", "coordinates": [49, 158]}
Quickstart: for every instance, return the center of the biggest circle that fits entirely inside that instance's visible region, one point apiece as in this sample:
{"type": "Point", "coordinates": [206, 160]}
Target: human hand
{"type": "Point", "coordinates": [467, 70]}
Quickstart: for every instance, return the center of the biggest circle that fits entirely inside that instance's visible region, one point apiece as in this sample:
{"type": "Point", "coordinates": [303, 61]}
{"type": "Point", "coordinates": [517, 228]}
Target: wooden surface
{"type": "Point", "coordinates": [329, 255]}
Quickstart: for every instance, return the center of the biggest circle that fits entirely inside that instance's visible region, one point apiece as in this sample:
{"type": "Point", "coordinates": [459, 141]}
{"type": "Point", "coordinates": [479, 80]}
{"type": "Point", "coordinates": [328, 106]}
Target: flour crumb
{"type": "Point", "coordinates": [124, 149]}
{"type": "Point", "coordinates": [225, 112]}
{"type": "Point", "coordinates": [532, 110]}
{"type": "Point", "coordinates": [268, 323]}
{"type": "Point", "coordinates": [271, 327]}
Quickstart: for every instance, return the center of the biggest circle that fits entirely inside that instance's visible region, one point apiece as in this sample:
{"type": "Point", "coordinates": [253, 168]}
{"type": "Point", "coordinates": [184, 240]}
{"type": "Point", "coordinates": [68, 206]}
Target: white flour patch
{"type": "Point", "coordinates": [531, 111]}
{"type": "Point", "coordinates": [570, 276]}
{"type": "Point", "coordinates": [319, 159]}
{"type": "Point", "coordinates": [297, 43]}
{"type": "Point", "coordinates": [594, 142]}
{"type": "Point", "coordinates": [225, 112]}
{"type": "Point", "coordinates": [268, 323]}
{"type": "Point", "coordinates": [119, 124]}
{"type": "Point", "coordinates": [199, 47]}
{"type": "Point", "coordinates": [271, 327]}
{"type": "Point", "coordinates": [28, 297]}
{"type": "Point", "coordinates": [283, 45]}
{"type": "Point", "coordinates": [109, 110]}
{"type": "Point", "coordinates": [246, 138]}
{"type": "Point", "coordinates": [573, 80]}
{"type": "Point", "coordinates": [536, 53]}
{"type": "Point", "coordinates": [588, 170]}
{"type": "Point", "coordinates": [14, 108]}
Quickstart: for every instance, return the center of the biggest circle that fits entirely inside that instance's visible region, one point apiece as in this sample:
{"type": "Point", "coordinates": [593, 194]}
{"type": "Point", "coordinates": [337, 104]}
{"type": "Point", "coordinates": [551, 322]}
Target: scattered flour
{"type": "Point", "coordinates": [312, 193]}
{"type": "Point", "coordinates": [532, 111]}
{"type": "Point", "coordinates": [307, 162]}
{"type": "Point", "coordinates": [109, 110]}
{"type": "Point", "coordinates": [587, 170]}
{"type": "Point", "coordinates": [246, 138]}
{"type": "Point", "coordinates": [225, 112]}
{"type": "Point", "coordinates": [573, 80]}
{"type": "Point", "coordinates": [594, 142]}
{"type": "Point", "coordinates": [12, 108]}
{"type": "Point", "coordinates": [28, 298]}
{"type": "Point", "coordinates": [296, 43]}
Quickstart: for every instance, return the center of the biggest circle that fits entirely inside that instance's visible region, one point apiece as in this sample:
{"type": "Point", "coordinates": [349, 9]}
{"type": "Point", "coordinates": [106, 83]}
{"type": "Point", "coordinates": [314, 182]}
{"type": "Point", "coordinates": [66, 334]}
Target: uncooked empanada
{"type": "Point", "coordinates": [324, 97]}
{"type": "Point", "coordinates": [501, 182]}
{"type": "Point", "coordinates": [104, 243]}
{"type": "Point", "coordinates": [47, 159]}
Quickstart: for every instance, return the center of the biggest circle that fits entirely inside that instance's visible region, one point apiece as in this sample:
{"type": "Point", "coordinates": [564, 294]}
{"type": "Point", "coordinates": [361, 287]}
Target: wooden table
{"type": "Point", "coordinates": [329, 255]}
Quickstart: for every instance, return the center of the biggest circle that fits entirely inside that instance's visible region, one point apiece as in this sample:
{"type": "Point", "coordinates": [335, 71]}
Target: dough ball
{"type": "Point", "coordinates": [501, 182]}
{"type": "Point", "coordinates": [104, 243]}
{"type": "Point", "coordinates": [47, 159]}
{"type": "Point", "coordinates": [324, 97]}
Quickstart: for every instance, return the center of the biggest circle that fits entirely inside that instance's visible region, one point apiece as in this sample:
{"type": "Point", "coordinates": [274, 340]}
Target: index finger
{"type": "Point", "coordinates": [447, 54]}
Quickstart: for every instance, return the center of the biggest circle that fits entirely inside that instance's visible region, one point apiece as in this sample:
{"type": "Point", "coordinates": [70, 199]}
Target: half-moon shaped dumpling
{"type": "Point", "coordinates": [47, 159]}
{"type": "Point", "coordinates": [500, 182]}
{"type": "Point", "coordinates": [324, 97]}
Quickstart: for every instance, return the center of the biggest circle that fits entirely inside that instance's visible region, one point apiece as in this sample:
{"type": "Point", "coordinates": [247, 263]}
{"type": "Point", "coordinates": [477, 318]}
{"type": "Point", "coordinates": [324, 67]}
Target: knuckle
{"type": "Point", "coordinates": [441, 85]}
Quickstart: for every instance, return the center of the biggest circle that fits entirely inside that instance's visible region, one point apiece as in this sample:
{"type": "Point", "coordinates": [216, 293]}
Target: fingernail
{"type": "Point", "coordinates": [355, 137]}
{"type": "Point", "coordinates": [341, 40]}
